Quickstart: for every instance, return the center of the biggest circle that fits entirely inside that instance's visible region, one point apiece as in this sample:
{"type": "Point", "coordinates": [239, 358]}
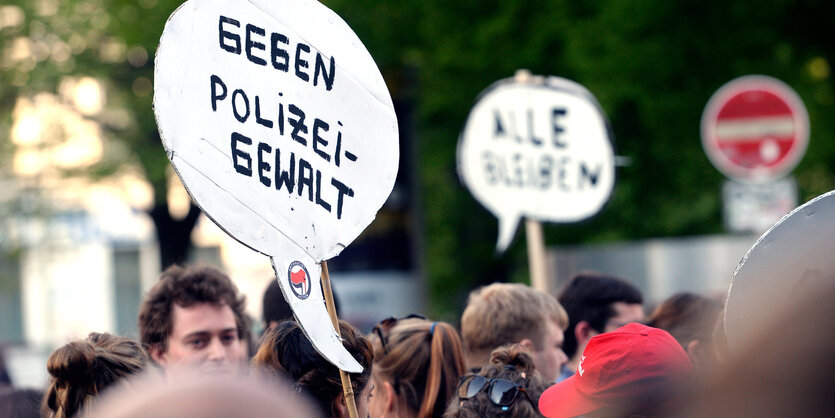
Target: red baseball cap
{"type": "Point", "coordinates": [618, 367]}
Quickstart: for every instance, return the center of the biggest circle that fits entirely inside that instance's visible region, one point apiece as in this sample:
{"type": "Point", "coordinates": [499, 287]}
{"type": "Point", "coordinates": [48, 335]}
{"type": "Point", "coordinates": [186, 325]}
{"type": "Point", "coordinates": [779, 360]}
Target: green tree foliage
{"type": "Point", "coordinates": [652, 64]}
{"type": "Point", "coordinates": [115, 42]}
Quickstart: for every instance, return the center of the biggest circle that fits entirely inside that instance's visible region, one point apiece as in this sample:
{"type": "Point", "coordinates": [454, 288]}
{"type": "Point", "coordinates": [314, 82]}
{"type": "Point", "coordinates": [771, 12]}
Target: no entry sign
{"type": "Point", "coordinates": [755, 129]}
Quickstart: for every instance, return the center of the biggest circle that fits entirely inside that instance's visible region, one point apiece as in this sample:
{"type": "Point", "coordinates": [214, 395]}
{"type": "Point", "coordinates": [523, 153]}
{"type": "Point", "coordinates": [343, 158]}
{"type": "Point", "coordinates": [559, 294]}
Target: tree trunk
{"type": "Point", "coordinates": [174, 235]}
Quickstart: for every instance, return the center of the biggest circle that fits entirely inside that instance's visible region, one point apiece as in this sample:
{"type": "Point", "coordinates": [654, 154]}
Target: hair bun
{"type": "Point", "coordinates": [513, 355]}
{"type": "Point", "coordinates": [72, 361]}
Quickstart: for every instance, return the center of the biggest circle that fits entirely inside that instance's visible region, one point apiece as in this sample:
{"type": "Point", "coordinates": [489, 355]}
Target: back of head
{"type": "Point", "coordinates": [506, 313]}
{"type": "Point", "coordinates": [785, 368]}
{"type": "Point", "coordinates": [80, 370]}
{"type": "Point", "coordinates": [687, 317]}
{"type": "Point", "coordinates": [509, 362]}
{"type": "Point", "coordinates": [274, 308]}
{"type": "Point", "coordinates": [589, 297]}
{"type": "Point", "coordinates": [186, 287]}
{"type": "Point", "coordinates": [286, 352]}
{"type": "Point", "coordinates": [423, 361]}
{"type": "Point", "coordinates": [633, 368]}
{"type": "Point", "coordinates": [192, 395]}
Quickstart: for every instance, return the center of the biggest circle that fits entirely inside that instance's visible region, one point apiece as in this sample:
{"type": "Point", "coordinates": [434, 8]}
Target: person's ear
{"type": "Point", "coordinates": [339, 406]}
{"type": "Point", "coordinates": [701, 354]}
{"type": "Point", "coordinates": [528, 344]}
{"type": "Point", "coordinates": [390, 398]}
{"type": "Point", "coordinates": [155, 350]}
{"type": "Point", "coordinates": [583, 332]}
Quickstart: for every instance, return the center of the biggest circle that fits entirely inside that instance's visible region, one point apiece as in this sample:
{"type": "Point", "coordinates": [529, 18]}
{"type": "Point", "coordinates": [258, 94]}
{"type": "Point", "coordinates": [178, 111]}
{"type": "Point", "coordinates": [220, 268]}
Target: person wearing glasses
{"type": "Point", "coordinates": [285, 352]}
{"type": "Point", "coordinates": [509, 386]}
{"type": "Point", "coordinates": [417, 364]}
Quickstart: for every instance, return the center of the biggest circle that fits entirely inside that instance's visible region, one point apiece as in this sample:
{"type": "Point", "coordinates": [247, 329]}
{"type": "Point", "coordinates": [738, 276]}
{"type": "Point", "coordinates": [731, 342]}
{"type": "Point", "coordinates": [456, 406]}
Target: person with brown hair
{"type": "Point", "coordinates": [195, 317]}
{"type": "Point", "coordinates": [81, 370]}
{"type": "Point", "coordinates": [285, 352]}
{"type": "Point", "coordinates": [691, 319]}
{"type": "Point", "coordinates": [505, 313]}
{"type": "Point", "coordinates": [416, 367]}
{"type": "Point", "coordinates": [784, 368]}
{"type": "Point", "coordinates": [509, 386]}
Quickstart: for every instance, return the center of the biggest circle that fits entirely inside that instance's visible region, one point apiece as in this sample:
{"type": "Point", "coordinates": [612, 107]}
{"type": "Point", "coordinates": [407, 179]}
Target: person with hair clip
{"type": "Point", "coordinates": [508, 386]}
{"type": "Point", "coordinates": [417, 364]}
{"type": "Point", "coordinates": [81, 370]}
{"type": "Point", "coordinates": [285, 352]}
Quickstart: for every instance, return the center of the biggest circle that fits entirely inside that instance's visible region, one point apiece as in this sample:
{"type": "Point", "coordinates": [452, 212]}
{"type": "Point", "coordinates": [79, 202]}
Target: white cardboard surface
{"type": "Point", "coordinates": [220, 82]}
{"type": "Point", "coordinates": [791, 258]}
{"type": "Point", "coordinates": [538, 150]}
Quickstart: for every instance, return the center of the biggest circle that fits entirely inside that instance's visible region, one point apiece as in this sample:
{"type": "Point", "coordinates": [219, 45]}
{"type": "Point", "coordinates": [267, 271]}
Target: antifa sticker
{"type": "Point", "coordinates": [281, 127]}
{"type": "Point", "coordinates": [299, 282]}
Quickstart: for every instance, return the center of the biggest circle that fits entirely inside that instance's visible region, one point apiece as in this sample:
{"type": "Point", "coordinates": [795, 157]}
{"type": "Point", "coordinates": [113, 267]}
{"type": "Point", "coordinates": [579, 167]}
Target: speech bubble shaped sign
{"type": "Point", "coordinates": [281, 128]}
{"type": "Point", "coordinates": [792, 258]}
{"type": "Point", "coordinates": [539, 150]}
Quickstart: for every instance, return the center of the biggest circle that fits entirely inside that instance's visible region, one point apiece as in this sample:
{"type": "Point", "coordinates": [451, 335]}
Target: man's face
{"type": "Point", "coordinates": [549, 358]}
{"type": "Point", "coordinates": [204, 336]}
{"type": "Point", "coordinates": [625, 313]}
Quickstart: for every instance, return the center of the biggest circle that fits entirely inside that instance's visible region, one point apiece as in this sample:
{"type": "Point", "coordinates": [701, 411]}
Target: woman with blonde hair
{"type": "Point", "coordinates": [82, 369]}
{"type": "Point", "coordinates": [417, 364]}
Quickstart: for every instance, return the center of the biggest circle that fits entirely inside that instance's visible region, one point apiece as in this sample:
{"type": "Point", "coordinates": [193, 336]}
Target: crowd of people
{"type": "Point", "coordinates": [590, 351]}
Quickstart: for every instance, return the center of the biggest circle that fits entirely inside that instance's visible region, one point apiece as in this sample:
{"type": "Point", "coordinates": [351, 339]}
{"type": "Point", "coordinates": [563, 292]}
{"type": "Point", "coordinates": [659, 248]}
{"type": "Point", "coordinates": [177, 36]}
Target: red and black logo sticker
{"type": "Point", "coordinates": [299, 280]}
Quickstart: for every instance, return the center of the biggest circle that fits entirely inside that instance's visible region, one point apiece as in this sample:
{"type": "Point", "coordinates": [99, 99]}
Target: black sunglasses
{"type": "Point", "coordinates": [502, 392]}
{"type": "Point", "coordinates": [385, 325]}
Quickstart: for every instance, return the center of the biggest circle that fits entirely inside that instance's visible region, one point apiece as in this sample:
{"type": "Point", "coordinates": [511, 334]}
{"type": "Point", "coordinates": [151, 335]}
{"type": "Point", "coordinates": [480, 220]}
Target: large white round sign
{"type": "Point", "coordinates": [539, 150]}
{"type": "Point", "coordinates": [793, 258]}
{"type": "Point", "coordinates": [280, 126]}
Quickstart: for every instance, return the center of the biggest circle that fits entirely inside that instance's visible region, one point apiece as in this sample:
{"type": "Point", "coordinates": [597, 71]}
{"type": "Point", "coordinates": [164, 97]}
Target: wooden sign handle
{"type": "Point", "coordinates": [536, 255]}
{"type": "Point", "coordinates": [347, 389]}
{"type": "Point", "coordinates": [533, 229]}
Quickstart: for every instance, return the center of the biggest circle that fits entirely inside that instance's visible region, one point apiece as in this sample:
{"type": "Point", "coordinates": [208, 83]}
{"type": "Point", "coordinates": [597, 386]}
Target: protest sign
{"type": "Point", "coordinates": [281, 128]}
{"type": "Point", "coordinates": [540, 150]}
{"type": "Point", "coordinates": [791, 259]}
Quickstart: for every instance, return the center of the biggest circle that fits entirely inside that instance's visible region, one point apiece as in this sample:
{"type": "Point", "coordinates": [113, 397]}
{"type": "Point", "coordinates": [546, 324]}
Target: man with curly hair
{"type": "Point", "coordinates": [194, 317]}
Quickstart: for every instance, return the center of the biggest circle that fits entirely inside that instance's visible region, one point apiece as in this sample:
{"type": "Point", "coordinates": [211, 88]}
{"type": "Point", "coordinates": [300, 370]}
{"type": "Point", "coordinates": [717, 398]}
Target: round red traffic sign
{"type": "Point", "coordinates": [755, 129]}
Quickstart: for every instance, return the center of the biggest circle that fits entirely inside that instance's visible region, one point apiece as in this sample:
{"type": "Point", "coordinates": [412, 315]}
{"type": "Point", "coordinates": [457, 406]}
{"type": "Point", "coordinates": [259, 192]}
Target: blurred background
{"type": "Point", "coordinates": [90, 210]}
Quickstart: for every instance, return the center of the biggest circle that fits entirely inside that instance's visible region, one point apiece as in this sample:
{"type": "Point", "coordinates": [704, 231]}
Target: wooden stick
{"type": "Point", "coordinates": [533, 229]}
{"type": "Point", "coordinates": [536, 255]}
{"type": "Point", "coordinates": [347, 389]}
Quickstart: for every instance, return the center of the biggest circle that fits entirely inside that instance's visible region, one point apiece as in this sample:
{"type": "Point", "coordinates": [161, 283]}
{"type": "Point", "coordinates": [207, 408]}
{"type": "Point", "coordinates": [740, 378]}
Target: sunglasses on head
{"type": "Point", "coordinates": [385, 325]}
{"type": "Point", "coordinates": [502, 392]}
